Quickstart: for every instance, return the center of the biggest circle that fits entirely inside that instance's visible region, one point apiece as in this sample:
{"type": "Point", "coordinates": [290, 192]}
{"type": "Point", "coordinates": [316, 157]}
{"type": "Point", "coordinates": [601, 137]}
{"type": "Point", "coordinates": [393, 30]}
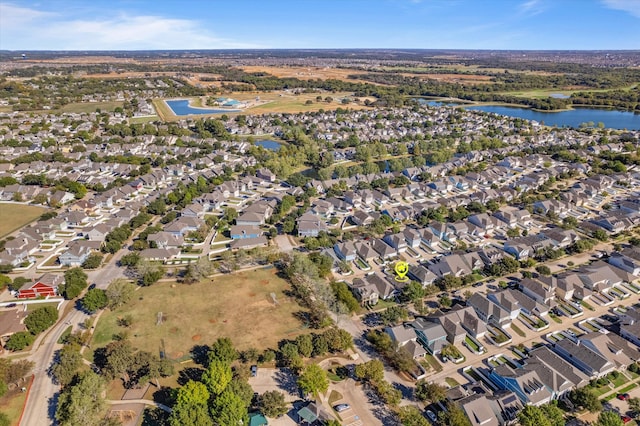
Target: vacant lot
{"type": "Point", "coordinates": [11, 404]}
{"type": "Point", "coordinates": [15, 216]}
{"type": "Point", "coordinates": [238, 306]}
{"type": "Point", "coordinates": [307, 73]}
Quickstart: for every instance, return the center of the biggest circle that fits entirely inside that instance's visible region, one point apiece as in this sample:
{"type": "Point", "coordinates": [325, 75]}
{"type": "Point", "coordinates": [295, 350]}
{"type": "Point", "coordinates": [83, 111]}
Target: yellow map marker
{"type": "Point", "coordinates": [401, 268]}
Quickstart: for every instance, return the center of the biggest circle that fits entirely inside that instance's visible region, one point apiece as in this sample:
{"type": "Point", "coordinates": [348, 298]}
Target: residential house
{"type": "Point", "coordinates": [76, 253]}
{"type": "Point", "coordinates": [628, 260]}
{"type": "Point", "coordinates": [160, 254]}
{"type": "Point", "coordinates": [515, 302]}
{"type": "Point", "coordinates": [371, 288]}
{"type": "Point", "coordinates": [429, 334]}
{"type": "Point", "coordinates": [458, 322]}
{"type": "Point", "coordinates": [525, 383]}
{"type": "Point", "coordinates": [513, 216]}
{"type": "Point", "coordinates": [539, 290]}
{"type": "Point", "coordinates": [165, 240]}
{"type": "Point", "coordinates": [489, 311]}
{"type": "Point", "coordinates": [240, 232]}
{"type": "Point", "coordinates": [405, 337]}
{"type": "Point", "coordinates": [310, 225]}
{"type": "Point", "coordinates": [46, 285]}
{"type": "Point", "coordinates": [422, 275]}
{"type": "Point", "coordinates": [249, 243]}
{"type": "Point", "coordinates": [525, 247]}
{"type": "Point", "coordinates": [345, 251]}
{"type": "Point", "coordinates": [583, 357]}
{"type": "Point", "coordinates": [385, 251]}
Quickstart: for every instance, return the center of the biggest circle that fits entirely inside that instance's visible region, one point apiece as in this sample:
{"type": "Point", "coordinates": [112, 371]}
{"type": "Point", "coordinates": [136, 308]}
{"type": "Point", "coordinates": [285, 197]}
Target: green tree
{"type": "Point", "coordinates": [413, 292]}
{"type": "Point", "coordinates": [192, 393]}
{"type": "Point", "coordinates": [304, 342]}
{"type": "Point", "coordinates": [217, 377]}
{"type": "Point", "coordinates": [430, 392]}
{"type": "Point", "coordinates": [411, 416]}
{"type": "Point", "coordinates": [75, 280]}
{"type": "Point", "coordinates": [67, 363]}
{"type": "Point", "coordinates": [533, 416]}
{"type": "Point", "coordinates": [190, 415]}
{"type": "Point", "coordinates": [371, 371]}
{"type": "Point", "coordinates": [453, 416]}
{"type": "Point", "coordinates": [41, 319]}
{"type": "Point", "coordinates": [609, 418]}
{"type": "Point", "coordinates": [94, 300]}
{"type": "Point", "coordinates": [554, 414]}
{"type": "Point", "coordinates": [119, 292]}
{"type": "Point", "coordinates": [223, 350]}
{"type": "Point", "coordinates": [229, 410]}
{"type": "Point", "coordinates": [92, 262]}
{"type": "Point", "coordinates": [634, 404]}
{"type": "Point", "coordinates": [344, 295]}
{"type": "Point", "coordinates": [313, 380]}
{"type": "Point", "coordinates": [600, 234]}
{"type": "Point", "coordinates": [586, 398]}
{"type": "Point", "coordinates": [81, 403]}
{"type": "Point", "coordinates": [272, 404]}
{"type": "Point", "coordinates": [20, 340]}
{"type": "Point", "coordinates": [4, 420]}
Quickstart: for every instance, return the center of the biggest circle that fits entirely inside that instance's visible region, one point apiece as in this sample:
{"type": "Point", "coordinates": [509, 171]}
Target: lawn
{"type": "Point", "coordinates": [15, 216]}
{"type": "Point", "coordinates": [518, 330]}
{"type": "Point", "coordinates": [11, 404]}
{"type": "Point", "coordinates": [238, 306]}
{"type": "Point", "coordinates": [83, 107]}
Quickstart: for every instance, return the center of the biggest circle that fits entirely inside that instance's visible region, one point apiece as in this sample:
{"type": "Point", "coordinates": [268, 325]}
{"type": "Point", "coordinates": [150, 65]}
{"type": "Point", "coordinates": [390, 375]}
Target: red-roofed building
{"type": "Point", "coordinates": [46, 285]}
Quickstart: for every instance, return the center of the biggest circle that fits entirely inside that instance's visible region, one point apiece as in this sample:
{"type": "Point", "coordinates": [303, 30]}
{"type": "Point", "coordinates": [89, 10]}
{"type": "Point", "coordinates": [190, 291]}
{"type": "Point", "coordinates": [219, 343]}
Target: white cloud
{"type": "Point", "coordinates": [43, 30]}
{"type": "Point", "coordinates": [630, 6]}
{"type": "Point", "coordinates": [532, 7]}
{"type": "Point", "coordinates": [15, 17]}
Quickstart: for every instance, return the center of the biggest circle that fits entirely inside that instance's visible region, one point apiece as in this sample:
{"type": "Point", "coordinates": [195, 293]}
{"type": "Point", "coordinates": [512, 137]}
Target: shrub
{"type": "Point", "coordinates": [41, 319]}
{"type": "Point", "coordinates": [19, 341]}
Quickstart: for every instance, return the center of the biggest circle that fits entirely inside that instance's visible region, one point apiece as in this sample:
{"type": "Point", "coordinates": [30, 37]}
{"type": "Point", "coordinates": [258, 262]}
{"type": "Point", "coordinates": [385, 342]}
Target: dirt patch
{"type": "Point", "coordinates": [307, 73]}
{"type": "Point", "coordinates": [251, 294]}
{"type": "Point", "coordinates": [212, 320]}
{"type": "Point", "coordinates": [173, 330]}
{"type": "Point", "coordinates": [177, 355]}
{"type": "Point", "coordinates": [196, 337]}
{"type": "Point", "coordinates": [264, 282]}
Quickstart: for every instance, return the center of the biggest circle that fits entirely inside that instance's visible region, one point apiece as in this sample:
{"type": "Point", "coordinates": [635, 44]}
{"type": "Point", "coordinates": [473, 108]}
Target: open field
{"type": "Point", "coordinates": [15, 216]}
{"type": "Point", "coordinates": [238, 306]}
{"type": "Point", "coordinates": [307, 73]}
{"type": "Point", "coordinates": [453, 78]}
{"type": "Point", "coordinates": [11, 404]}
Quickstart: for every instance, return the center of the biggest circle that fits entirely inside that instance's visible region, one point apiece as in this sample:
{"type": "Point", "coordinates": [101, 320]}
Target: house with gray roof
{"type": "Point", "coordinates": [583, 357]}
{"type": "Point", "coordinates": [526, 384]}
{"type": "Point", "coordinates": [489, 311]}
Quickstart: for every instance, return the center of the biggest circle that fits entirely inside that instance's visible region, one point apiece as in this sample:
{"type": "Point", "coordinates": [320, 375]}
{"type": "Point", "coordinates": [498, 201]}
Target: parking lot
{"type": "Point", "coordinates": [269, 379]}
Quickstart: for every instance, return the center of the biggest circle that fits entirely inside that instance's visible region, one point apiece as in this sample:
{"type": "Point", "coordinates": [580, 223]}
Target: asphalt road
{"type": "Point", "coordinates": [41, 403]}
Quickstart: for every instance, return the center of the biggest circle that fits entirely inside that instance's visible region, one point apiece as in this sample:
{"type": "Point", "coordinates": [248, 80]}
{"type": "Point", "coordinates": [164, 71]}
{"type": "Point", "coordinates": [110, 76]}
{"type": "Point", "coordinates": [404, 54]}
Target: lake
{"type": "Point", "coordinates": [573, 118]}
{"type": "Point", "coordinates": [182, 107]}
{"type": "Point", "coordinates": [269, 144]}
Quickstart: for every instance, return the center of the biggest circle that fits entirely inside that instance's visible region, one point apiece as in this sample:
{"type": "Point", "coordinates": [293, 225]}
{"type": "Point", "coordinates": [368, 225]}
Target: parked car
{"type": "Point", "coordinates": [254, 370]}
{"type": "Point", "coordinates": [432, 416]}
{"type": "Point", "coordinates": [623, 396]}
{"type": "Point", "coordinates": [11, 305]}
{"type": "Point", "coordinates": [625, 419]}
{"type": "Point", "coordinates": [341, 407]}
{"type": "Point", "coordinates": [476, 285]}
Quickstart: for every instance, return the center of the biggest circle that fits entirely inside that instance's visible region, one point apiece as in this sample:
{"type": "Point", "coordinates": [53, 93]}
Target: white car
{"type": "Point", "coordinates": [341, 407]}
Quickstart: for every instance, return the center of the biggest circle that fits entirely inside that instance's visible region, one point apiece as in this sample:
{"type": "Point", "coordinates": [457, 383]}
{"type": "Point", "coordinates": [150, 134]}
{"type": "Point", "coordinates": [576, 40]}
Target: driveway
{"type": "Point", "coordinates": [284, 243]}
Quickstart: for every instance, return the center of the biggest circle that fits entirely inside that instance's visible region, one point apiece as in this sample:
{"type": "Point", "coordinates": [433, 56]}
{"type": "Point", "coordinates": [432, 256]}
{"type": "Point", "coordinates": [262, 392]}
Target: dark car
{"type": "Point", "coordinates": [476, 285]}
{"type": "Point", "coordinates": [623, 396]}
{"type": "Point", "coordinates": [11, 305]}
{"type": "Point", "coordinates": [254, 370]}
{"type": "Point", "coordinates": [432, 416]}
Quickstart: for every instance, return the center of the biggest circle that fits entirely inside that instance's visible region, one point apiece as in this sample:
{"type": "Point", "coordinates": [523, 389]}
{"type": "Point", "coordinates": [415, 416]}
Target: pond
{"type": "Point", "coordinates": [182, 107]}
{"type": "Point", "coordinates": [269, 144]}
{"type": "Point", "coordinates": [612, 119]}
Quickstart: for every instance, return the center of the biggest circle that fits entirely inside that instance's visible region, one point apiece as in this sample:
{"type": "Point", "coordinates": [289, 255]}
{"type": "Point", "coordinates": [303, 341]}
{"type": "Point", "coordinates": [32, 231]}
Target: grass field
{"type": "Point", "coordinates": [270, 102]}
{"type": "Point", "coordinates": [237, 306]}
{"type": "Point", "coordinates": [11, 404]}
{"type": "Point", "coordinates": [15, 216]}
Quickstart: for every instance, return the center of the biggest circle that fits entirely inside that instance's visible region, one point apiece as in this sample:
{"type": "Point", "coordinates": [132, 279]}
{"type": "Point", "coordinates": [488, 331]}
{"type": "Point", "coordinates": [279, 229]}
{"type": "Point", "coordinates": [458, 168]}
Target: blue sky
{"type": "Point", "coordinates": [229, 24]}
